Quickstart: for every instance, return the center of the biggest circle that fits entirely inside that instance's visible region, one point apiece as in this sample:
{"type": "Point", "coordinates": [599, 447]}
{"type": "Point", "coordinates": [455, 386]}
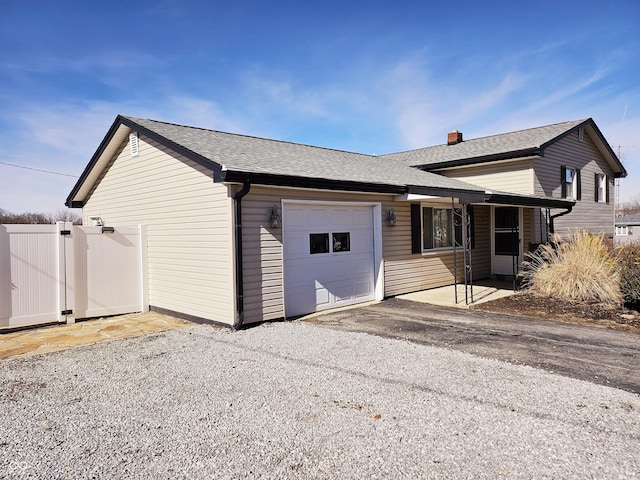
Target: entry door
{"type": "Point", "coordinates": [507, 244]}
{"type": "Point", "coordinates": [328, 257]}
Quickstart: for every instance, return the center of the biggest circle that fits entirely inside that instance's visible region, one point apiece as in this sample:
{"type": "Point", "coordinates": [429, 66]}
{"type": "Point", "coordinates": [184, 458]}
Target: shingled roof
{"type": "Point", "coordinates": [518, 144]}
{"type": "Point", "coordinates": [248, 155]}
{"type": "Point", "coordinates": [629, 219]}
{"type": "Point", "coordinates": [235, 158]}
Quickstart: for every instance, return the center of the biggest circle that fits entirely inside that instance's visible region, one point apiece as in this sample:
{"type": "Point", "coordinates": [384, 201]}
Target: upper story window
{"type": "Point", "coordinates": [570, 179]}
{"type": "Point", "coordinates": [602, 188]}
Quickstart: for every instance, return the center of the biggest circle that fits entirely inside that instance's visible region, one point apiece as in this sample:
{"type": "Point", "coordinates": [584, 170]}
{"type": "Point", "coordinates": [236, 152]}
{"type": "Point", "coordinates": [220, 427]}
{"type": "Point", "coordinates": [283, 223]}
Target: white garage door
{"type": "Point", "coordinates": [328, 257]}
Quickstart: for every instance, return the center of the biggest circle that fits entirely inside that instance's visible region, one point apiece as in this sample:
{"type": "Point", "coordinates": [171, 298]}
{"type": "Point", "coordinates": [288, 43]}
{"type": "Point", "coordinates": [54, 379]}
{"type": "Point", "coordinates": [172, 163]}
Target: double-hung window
{"type": "Point", "coordinates": [570, 181]}
{"type": "Point", "coordinates": [622, 230]}
{"type": "Point", "coordinates": [601, 191]}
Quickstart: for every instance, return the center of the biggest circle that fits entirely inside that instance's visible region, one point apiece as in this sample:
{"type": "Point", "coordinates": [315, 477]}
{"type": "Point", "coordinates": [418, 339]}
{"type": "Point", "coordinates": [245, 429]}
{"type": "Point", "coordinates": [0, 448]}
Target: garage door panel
{"type": "Point", "coordinates": [317, 218]}
{"type": "Point", "coordinates": [342, 218]}
{"type": "Point", "coordinates": [343, 292]}
{"type": "Point", "coordinates": [295, 218]}
{"type": "Point", "coordinates": [319, 281]}
{"type": "Point", "coordinates": [362, 265]}
{"type": "Point", "coordinates": [363, 289]}
{"type": "Point", "coordinates": [297, 245]}
{"type": "Point", "coordinates": [323, 298]}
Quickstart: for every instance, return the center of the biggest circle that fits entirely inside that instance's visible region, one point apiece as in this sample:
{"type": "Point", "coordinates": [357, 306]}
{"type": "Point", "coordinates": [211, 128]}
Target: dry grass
{"type": "Point", "coordinates": [628, 257]}
{"type": "Point", "coordinates": [576, 269]}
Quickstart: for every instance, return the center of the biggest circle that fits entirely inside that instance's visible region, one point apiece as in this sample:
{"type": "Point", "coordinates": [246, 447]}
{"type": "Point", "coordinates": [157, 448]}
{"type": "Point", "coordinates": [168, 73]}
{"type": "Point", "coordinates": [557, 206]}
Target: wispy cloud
{"type": "Point", "coordinates": [116, 60]}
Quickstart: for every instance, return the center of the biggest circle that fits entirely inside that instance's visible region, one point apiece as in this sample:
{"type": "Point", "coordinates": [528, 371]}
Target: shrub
{"type": "Point", "coordinates": [628, 257]}
{"type": "Point", "coordinates": [576, 269]}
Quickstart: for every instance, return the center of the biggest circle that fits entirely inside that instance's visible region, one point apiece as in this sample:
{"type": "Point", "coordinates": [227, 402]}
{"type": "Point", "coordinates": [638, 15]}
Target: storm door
{"type": "Point", "coordinates": [507, 245]}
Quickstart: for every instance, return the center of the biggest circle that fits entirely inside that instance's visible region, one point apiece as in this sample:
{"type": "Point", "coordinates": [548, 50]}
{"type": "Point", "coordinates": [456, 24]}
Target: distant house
{"type": "Point", "coordinates": [627, 229]}
{"type": "Point", "coordinates": [243, 229]}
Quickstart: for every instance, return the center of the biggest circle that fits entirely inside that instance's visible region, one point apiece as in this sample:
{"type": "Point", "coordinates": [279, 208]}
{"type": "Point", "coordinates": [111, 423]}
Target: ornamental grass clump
{"type": "Point", "coordinates": [628, 257]}
{"type": "Point", "coordinates": [578, 268]}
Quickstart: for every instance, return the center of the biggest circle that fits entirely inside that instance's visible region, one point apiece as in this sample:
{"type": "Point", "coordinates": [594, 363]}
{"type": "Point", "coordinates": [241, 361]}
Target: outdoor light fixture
{"type": "Point", "coordinates": [275, 217]}
{"type": "Point", "coordinates": [97, 221]}
{"type": "Point", "coordinates": [391, 218]}
{"type": "Point", "coordinates": [108, 229]}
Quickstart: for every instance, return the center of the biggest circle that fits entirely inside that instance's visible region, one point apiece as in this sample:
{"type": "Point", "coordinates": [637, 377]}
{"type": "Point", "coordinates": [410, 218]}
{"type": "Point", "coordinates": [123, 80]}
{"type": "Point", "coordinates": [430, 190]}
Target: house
{"type": "Point", "coordinates": [243, 229]}
{"type": "Point", "coordinates": [625, 231]}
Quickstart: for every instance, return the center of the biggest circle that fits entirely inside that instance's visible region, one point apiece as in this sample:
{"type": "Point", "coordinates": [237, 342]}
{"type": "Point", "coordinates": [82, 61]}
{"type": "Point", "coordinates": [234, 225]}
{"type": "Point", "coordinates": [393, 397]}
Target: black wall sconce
{"type": "Point", "coordinates": [108, 229]}
{"type": "Point", "coordinates": [391, 218]}
{"type": "Point", "coordinates": [274, 217]}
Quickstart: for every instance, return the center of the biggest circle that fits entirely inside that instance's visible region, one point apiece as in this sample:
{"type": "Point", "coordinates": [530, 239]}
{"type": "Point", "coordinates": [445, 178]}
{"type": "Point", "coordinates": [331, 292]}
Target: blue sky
{"type": "Point", "coordinates": [365, 76]}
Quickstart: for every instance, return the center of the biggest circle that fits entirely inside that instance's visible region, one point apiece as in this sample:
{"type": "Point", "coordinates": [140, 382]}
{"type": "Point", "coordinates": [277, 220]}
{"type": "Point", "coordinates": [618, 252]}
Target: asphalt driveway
{"type": "Point", "coordinates": [598, 355]}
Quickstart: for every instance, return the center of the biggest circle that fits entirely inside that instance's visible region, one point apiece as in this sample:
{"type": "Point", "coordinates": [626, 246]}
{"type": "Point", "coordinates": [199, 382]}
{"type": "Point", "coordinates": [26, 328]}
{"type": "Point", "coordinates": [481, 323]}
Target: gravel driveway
{"type": "Point", "coordinates": [296, 400]}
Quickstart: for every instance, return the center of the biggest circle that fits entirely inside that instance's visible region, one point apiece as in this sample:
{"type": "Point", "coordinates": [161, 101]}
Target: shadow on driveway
{"type": "Point", "coordinates": [605, 357]}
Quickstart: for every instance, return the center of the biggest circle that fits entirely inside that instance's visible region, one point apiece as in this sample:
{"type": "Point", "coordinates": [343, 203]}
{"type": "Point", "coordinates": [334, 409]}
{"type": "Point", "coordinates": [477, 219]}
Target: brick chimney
{"type": "Point", "coordinates": [454, 137]}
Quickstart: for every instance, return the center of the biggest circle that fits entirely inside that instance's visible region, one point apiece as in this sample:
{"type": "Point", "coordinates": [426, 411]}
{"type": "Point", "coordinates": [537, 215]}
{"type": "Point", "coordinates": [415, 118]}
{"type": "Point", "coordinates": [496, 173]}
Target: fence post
{"type": "Point", "coordinates": [64, 242]}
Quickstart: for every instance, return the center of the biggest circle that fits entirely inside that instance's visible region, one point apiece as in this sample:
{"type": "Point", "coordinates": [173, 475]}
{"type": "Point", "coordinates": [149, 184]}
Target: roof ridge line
{"type": "Point", "coordinates": [581, 120]}
{"type": "Point", "coordinates": [134, 119]}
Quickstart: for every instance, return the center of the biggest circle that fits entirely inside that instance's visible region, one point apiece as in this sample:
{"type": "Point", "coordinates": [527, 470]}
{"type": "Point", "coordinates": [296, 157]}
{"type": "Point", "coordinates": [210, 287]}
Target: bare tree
{"type": "Point", "coordinates": [630, 206]}
{"type": "Point", "coordinates": [39, 217]}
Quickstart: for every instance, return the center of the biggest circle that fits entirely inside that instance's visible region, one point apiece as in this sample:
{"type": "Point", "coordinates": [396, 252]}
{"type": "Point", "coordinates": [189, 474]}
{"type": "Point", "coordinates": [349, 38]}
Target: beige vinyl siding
{"type": "Point", "coordinates": [481, 254]}
{"type": "Point", "coordinates": [189, 227]}
{"type": "Point", "coordinates": [404, 272]}
{"type": "Point", "coordinates": [408, 272]}
{"type": "Point", "coordinates": [587, 213]}
{"type": "Point", "coordinates": [262, 246]}
{"type": "Point", "coordinates": [511, 176]}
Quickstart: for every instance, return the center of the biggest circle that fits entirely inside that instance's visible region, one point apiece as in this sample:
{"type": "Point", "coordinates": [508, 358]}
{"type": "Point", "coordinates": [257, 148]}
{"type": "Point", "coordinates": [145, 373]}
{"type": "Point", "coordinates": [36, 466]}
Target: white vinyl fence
{"type": "Point", "coordinates": [57, 273]}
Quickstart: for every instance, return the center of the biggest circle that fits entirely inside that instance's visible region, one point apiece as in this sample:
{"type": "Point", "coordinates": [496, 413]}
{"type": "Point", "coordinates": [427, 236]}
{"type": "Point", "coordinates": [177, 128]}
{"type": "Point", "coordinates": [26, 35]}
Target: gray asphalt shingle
{"type": "Point", "coordinates": [630, 219]}
{"type": "Point", "coordinates": [243, 153]}
{"type": "Point", "coordinates": [504, 143]}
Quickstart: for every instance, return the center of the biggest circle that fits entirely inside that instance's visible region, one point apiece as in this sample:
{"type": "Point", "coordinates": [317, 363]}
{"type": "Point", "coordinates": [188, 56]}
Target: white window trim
{"type": "Point", "coordinates": [602, 188]}
{"type": "Point", "coordinates": [622, 231]}
{"type": "Point", "coordinates": [572, 187]}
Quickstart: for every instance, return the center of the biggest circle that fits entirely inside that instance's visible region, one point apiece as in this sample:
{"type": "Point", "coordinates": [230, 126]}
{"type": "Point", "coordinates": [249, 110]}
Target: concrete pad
{"type": "Point", "coordinates": [480, 292]}
{"type": "Point", "coordinates": [61, 337]}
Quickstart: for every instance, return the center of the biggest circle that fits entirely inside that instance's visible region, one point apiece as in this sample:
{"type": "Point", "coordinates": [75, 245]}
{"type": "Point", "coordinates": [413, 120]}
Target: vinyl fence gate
{"type": "Point", "coordinates": [57, 273]}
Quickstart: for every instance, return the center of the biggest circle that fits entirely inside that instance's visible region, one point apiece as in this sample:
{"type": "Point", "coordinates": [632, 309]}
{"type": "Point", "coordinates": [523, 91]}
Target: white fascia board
{"type": "Point", "coordinates": [414, 197]}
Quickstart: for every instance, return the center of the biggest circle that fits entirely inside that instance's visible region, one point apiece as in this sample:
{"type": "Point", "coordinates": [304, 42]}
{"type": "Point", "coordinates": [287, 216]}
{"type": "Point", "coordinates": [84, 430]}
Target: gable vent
{"type": "Point", "coordinates": [133, 144]}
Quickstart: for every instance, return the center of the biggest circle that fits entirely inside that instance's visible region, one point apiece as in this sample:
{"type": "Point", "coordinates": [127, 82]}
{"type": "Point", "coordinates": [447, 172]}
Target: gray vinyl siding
{"type": "Point", "coordinates": [189, 227]}
{"type": "Point", "coordinates": [587, 214]}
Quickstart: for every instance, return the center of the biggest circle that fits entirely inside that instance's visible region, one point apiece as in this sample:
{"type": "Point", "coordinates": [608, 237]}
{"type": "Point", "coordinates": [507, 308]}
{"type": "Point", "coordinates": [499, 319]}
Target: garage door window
{"type": "Point", "coordinates": [319, 243]}
{"type": "Point", "coordinates": [341, 242]}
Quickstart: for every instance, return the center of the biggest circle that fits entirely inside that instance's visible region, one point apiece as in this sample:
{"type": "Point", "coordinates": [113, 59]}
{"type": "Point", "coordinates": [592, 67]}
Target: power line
{"type": "Point", "coordinates": [38, 170]}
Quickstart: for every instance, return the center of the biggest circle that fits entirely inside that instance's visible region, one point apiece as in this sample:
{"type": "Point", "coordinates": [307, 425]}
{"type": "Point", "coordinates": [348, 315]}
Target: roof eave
{"type": "Point", "coordinates": [503, 198]}
{"type": "Point", "coordinates": [601, 144]}
{"type": "Point", "coordinates": [461, 162]}
{"type": "Point", "coordinates": [72, 200]}
{"type": "Point", "coordinates": [231, 176]}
